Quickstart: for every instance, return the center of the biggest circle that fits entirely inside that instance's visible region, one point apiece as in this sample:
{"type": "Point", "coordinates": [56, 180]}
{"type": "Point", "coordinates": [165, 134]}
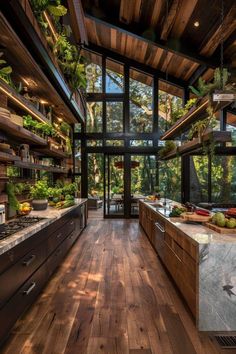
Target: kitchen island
{"type": "Point", "coordinates": [29, 257]}
{"type": "Point", "coordinates": [201, 262]}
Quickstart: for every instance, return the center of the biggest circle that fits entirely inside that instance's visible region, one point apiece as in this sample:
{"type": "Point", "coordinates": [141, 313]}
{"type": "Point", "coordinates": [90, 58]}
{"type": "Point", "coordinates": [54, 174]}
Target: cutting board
{"type": "Point", "coordinates": [220, 230]}
{"type": "Point", "coordinates": [195, 217]}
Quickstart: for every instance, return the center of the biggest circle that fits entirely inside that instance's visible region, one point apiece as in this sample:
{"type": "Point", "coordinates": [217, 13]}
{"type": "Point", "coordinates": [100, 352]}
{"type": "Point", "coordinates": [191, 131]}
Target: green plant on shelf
{"type": "Point", "coordinates": [70, 189]}
{"type": "Point", "coordinates": [5, 74]}
{"type": "Point", "coordinates": [220, 81]}
{"type": "Point", "coordinates": [177, 112]}
{"type": "Point", "coordinates": [12, 200]}
{"type": "Point", "coordinates": [68, 146]}
{"type": "Point", "coordinates": [167, 148]}
{"type": "Point", "coordinates": [65, 128]}
{"type": "Point", "coordinates": [54, 7]}
{"type": "Point", "coordinates": [21, 188]}
{"type": "Point", "coordinates": [70, 61]}
{"type": "Point", "coordinates": [201, 126]}
{"type": "Point", "coordinates": [40, 190]}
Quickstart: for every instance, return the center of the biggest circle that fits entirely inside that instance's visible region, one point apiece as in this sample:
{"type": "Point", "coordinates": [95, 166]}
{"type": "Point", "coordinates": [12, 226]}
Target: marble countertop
{"type": "Point", "coordinates": [196, 232]}
{"type": "Point", "coordinates": [50, 215]}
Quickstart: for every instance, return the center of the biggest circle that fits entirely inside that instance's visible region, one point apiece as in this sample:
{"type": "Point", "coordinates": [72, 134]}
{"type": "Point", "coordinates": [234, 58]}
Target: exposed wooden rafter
{"type": "Point", "coordinates": [77, 21]}
{"type": "Point", "coordinates": [139, 66]}
{"type": "Point", "coordinates": [200, 70]}
{"type": "Point", "coordinates": [170, 19]}
{"type": "Point", "coordinates": [229, 25]}
{"type": "Point", "coordinates": [173, 46]}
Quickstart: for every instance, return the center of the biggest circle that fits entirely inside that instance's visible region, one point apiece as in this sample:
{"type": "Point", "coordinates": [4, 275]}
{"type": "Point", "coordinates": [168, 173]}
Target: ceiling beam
{"type": "Point", "coordinates": [77, 21]}
{"type": "Point", "coordinates": [199, 72]}
{"type": "Point", "coordinates": [170, 19]}
{"type": "Point", "coordinates": [229, 25]}
{"type": "Point", "coordinates": [136, 65]}
{"type": "Point", "coordinates": [171, 45]}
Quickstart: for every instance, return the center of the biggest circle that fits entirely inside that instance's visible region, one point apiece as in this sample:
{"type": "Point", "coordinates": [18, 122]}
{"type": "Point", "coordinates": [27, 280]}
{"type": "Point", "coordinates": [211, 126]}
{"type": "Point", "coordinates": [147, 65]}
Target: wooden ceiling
{"type": "Point", "coordinates": [161, 34]}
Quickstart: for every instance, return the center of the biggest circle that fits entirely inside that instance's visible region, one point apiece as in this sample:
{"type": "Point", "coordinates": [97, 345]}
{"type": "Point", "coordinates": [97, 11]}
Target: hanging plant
{"type": "Point", "coordinates": [167, 148]}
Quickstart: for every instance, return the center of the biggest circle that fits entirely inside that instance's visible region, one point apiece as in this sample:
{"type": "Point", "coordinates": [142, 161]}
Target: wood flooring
{"type": "Point", "coordinates": [110, 295]}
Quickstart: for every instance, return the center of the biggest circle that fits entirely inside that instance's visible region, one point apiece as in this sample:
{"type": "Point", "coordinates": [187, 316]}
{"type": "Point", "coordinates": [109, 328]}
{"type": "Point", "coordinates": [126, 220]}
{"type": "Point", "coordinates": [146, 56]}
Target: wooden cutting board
{"type": "Point", "coordinates": [195, 217]}
{"type": "Point", "coordinates": [220, 230]}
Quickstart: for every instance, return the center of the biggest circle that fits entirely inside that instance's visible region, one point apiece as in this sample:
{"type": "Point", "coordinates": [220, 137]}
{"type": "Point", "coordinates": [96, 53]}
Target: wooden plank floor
{"type": "Point", "coordinates": [110, 295]}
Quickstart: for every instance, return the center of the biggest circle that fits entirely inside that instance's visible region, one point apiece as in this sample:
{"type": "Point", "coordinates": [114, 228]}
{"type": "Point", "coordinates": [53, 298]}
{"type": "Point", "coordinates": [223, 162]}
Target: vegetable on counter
{"type": "Point", "coordinates": [177, 211]}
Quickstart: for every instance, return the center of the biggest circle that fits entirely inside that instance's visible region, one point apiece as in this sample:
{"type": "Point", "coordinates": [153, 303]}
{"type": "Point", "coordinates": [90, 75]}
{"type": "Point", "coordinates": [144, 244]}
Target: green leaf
{"type": "Point", "coordinates": [194, 90]}
{"type": "Point", "coordinates": [7, 70]}
{"type": "Point", "coordinates": [58, 11]}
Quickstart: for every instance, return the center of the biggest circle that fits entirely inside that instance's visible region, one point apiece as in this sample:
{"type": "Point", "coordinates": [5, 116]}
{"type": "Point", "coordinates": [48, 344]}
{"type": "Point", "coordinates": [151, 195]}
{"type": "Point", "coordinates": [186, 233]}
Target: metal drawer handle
{"type": "Point", "coordinates": [59, 235]}
{"type": "Point", "coordinates": [30, 260]}
{"type": "Point", "coordinates": [159, 226]}
{"type": "Point", "coordinates": [32, 286]}
{"type": "Point", "coordinates": [72, 222]}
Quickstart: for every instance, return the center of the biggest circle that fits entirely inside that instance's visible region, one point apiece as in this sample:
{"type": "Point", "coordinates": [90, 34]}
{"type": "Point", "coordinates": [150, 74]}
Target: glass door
{"type": "Point", "coordinates": [114, 186]}
{"type": "Point", "coordinates": [143, 177]}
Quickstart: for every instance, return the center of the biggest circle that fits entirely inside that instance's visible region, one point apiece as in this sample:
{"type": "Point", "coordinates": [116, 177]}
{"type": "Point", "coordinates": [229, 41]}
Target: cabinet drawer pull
{"type": "Point", "coordinates": [32, 286]}
{"type": "Point", "coordinates": [29, 261]}
{"type": "Point", "coordinates": [72, 222]}
{"type": "Point", "coordinates": [59, 235]}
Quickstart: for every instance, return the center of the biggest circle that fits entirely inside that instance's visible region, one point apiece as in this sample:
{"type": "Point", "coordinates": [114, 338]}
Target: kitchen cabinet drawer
{"type": "Point", "coordinates": [21, 301]}
{"type": "Point", "coordinates": [16, 275]}
{"type": "Point", "coordinates": [59, 253]}
{"type": "Point", "coordinates": [182, 240]}
{"type": "Point", "coordinates": [59, 235]}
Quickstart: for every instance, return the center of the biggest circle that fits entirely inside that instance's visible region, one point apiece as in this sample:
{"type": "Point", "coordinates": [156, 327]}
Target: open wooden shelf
{"type": "Point", "coordinates": [5, 157]}
{"type": "Point", "coordinates": [21, 134]}
{"type": "Point", "coordinates": [22, 102]}
{"type": "Point", "coordinates": [198, 143]}
{"type": "Point", "coordinates": [27, 66]}
{"type": "Point", "coordinates": [34, 166]}
{"type": "Point", "coordinates": [50, 151]}
{"type": "Point", "coordinates": [195, 113]}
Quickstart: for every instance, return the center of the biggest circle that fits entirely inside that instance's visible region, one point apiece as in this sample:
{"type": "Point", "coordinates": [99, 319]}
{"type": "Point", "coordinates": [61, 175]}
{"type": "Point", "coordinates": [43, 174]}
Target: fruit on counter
{"type": "Point", "coordinates": [230, 223]}
{"type": "Point", "coordinates": [219, 219]}
{"type": "Point", "coordinates": [151, 197]}
{"type": "Point", "coordinates": [24, 208]}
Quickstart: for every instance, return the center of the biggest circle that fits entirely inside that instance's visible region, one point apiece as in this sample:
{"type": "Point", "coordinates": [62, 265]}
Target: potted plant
{"type": "Point", "coordinates": [13, 204]}
{"type": "Point", "coordinates": [39, 193]}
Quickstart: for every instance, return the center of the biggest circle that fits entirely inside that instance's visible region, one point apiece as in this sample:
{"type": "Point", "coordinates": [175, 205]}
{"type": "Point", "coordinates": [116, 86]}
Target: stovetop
{"type": "Point", "coordinates": [17, 225]}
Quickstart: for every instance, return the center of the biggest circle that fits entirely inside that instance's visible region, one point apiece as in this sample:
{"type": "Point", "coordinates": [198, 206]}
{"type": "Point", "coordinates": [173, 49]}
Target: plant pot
{"type": "Point", "coordinates": [40, 204]}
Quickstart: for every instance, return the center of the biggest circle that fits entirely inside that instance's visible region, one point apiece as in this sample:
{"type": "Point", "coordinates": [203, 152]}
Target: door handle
{"type": "Point", "coordinates": [160, 227]}
{"type": "Point", "coordinates": [28, 291]}
{"type": "Point", "coordinates": [29, 261]}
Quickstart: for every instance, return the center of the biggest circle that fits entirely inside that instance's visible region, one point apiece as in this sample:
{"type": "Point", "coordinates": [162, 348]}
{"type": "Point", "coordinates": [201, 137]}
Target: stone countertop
{"type": "Point", "coordinates": [196, 232]}
{"type": "Point", "coordinates": [50, 215]}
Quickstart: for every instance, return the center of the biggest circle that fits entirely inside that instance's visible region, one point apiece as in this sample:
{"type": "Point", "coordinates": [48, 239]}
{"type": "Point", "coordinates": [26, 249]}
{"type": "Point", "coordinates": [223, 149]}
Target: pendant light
{"type": "Point", "coordinates": [223, 95]}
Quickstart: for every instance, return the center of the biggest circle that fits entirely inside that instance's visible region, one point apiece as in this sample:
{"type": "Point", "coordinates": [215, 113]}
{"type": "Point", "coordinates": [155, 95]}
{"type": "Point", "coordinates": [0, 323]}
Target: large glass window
{"type": "Point", "coordinates": [94, 117]}
{"type": "Point", "coordinates": [114, 77]}
{"type": "Point", "coordinates": [93, 72]}
{"type": "Point", "coordinates": [223, 179]}
{"type": "Point", "coordinates": [140, 101]}
{"type": "Point", "coordinates": [115, 142]}
{"type": "Point", "coordinates": [77, 152]}
{"type": "Point", "coordinates": [199, 179]}
{"type": "Point", "coordinates": [170, 109]}
{"type": "Point", "coordinates": [170, 179]}
{"type": "Point", "coordinates": [95, 174]}
{"type": "Point", "coordinates": [114, 117]}
{"type": "Point", "coordinates": [231, 126]}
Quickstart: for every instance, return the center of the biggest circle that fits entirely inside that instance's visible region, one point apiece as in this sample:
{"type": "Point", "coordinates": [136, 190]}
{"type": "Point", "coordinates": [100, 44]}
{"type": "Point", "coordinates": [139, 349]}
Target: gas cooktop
{"type": "Point", "coordinates": [17, 225]}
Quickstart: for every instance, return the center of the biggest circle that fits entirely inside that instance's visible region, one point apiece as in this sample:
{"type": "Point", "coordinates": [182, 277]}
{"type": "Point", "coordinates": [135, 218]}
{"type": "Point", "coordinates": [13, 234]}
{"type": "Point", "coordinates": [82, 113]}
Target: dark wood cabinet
{"type": "Point", "coordinates": [26, 268]}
